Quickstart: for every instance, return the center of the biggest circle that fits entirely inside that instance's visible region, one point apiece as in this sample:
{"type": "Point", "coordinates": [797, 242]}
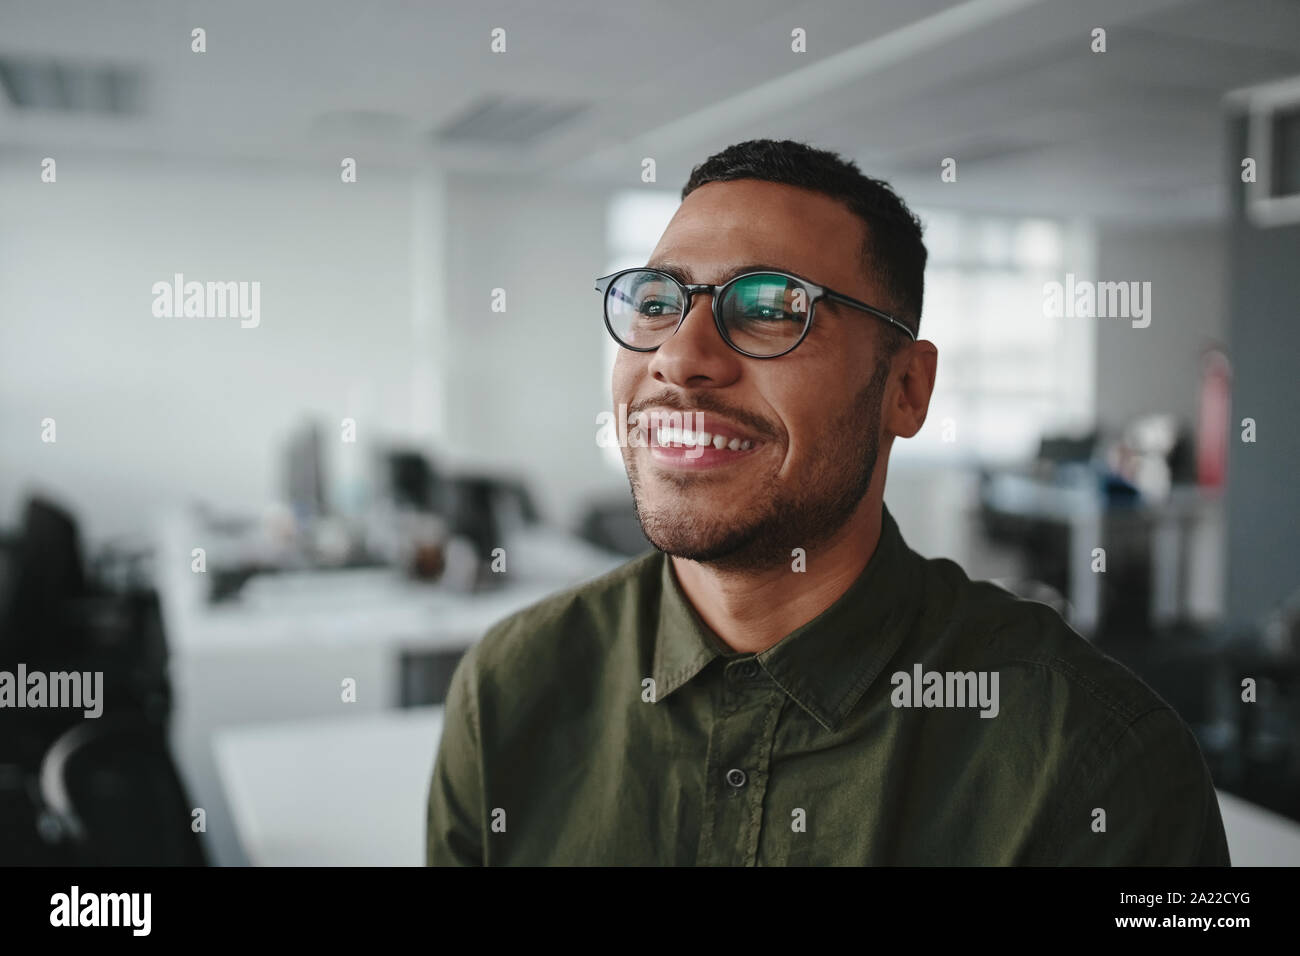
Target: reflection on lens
{"type": "Point", "coordinates": [643, 309]}
{"type": "Point", "coordinates": [765, 314]}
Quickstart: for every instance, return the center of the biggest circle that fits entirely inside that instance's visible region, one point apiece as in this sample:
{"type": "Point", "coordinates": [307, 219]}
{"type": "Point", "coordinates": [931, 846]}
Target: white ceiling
{"type": "Point", "coordinates": [1010, 88]}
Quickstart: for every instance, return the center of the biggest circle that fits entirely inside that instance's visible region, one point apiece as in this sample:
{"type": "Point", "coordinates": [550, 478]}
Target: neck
{"type": "Point", "coordinates": [750, 611]}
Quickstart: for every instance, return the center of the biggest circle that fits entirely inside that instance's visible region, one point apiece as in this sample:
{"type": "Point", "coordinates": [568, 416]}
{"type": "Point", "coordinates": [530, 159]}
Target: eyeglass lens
{"type": "Point", "coordinates": [763, 314]}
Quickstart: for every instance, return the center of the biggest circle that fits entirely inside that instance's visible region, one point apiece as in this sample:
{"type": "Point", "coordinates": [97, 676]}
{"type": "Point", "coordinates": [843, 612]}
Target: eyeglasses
{"type": "Point", "coordinates": [759, 314]}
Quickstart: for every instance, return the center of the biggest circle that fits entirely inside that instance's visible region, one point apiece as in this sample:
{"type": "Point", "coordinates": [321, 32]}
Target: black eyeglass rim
{"type": "Point", "coordinates": [816, 292]}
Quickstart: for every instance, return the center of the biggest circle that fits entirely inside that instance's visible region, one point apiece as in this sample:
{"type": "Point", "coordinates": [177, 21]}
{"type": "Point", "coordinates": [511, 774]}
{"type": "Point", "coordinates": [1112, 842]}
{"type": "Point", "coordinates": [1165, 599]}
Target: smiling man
{"type": "Point", "coordinates": [782, 680]}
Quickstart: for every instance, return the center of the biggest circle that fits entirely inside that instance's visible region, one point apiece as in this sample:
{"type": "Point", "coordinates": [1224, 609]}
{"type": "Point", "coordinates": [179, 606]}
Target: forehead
{"type": "Point", "coordinates": [721, 225]}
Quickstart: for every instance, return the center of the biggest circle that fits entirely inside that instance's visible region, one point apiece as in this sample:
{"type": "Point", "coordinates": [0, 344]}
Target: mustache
{"type": "Point", "coordinates": [706, 403]}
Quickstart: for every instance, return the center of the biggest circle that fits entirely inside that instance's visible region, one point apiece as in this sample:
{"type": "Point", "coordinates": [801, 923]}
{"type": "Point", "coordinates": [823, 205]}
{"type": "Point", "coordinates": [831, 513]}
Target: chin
{"type": "Point", "coordinates": [700, 534]}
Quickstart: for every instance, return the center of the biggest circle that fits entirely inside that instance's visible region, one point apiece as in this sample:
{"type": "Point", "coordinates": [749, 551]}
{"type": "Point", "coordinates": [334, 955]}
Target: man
{"type": "Point", "coordinates": [783, 681]}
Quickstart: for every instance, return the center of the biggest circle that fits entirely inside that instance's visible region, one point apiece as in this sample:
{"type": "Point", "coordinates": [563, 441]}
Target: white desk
{"type": "Point", "coordinates": [353, 790]}
{"type": "Point", "coordinates": [342, 791]}
{"type": "Point", "coordinates": [373, 608]}
{"type": "Point", "coordinates": [1258, 837]}
{"type": "Point", "coordinates": [1188, 518]}
{"type": "Point", "coordinates": [280, 651]}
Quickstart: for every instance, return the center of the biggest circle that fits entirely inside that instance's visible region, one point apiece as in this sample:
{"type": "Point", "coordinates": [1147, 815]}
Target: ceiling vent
{"type": "Point", "coordinates": [68, 87]}
{"type": "Point", "coordinates": [497, 121]}
{"type": "Point", "coordinates": [975, 150]}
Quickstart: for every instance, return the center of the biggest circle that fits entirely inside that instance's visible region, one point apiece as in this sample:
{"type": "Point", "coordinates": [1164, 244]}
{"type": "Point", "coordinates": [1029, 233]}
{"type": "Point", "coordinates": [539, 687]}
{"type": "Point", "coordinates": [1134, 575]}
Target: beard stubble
{"type": "Point", "coordinates": [779, 518]}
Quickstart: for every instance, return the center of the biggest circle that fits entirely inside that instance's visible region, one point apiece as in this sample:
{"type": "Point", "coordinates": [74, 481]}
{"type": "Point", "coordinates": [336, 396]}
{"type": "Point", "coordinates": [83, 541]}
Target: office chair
{"type": "Point", "coordinates": [112, 793]}
{"type": "Point", "coordinates": [47, 578]}
{"type": "Point", "coordinates": [55, 619]}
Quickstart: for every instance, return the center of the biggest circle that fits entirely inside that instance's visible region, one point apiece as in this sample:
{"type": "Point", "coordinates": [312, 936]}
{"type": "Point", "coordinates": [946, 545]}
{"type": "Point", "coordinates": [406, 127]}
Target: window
{"type": "Point", "coordinates": [1008, 374]}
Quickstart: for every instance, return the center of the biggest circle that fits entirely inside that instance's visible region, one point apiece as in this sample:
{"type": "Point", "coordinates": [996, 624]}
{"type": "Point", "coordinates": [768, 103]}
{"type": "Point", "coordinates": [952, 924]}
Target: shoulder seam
{"type": "Point", "coordinates": [1099, 747]}
{"type": "Point", "coordinates": [1095, 690]}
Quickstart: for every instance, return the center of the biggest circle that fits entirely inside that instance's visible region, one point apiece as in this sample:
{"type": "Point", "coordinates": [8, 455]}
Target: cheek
{"type": "Point", "coordinates": [807, 442]}
{"type": "Point", "coordinates": [802, 404]}
{"type": "Point", "coordinates": [628, 371]}
{"type": "Point", "coordinates": [817, 398]}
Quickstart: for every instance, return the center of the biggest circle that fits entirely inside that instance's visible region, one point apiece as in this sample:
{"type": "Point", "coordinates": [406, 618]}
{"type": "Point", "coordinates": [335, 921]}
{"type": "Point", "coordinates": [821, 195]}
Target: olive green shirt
{"type": "Point", "coordinates": [921, 719]}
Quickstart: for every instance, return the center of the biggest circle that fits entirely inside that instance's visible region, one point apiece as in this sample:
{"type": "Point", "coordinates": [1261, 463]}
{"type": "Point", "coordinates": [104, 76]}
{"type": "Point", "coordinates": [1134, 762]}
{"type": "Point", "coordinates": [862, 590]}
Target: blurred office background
{"type": "Point", "coordinates": [276, 541]}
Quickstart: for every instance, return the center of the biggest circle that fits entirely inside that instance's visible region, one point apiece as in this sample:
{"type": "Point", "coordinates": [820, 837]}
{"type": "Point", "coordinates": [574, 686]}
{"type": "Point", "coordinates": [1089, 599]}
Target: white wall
{"type": "Point", "coordinates": [525, 386]}
{"type": "Point", "coordinates": [1157, 369]}
{"type": "Point", "coordinates": [154, 411]}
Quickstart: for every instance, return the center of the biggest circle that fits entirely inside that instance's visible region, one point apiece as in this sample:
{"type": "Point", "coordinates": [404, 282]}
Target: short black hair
{"type": "Point", "coordinates": [894, 251]}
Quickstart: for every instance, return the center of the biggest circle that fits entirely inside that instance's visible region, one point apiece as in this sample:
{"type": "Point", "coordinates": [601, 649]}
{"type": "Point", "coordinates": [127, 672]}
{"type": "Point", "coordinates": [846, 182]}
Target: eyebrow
{"type": "Point", "coordinates": [683, 273]}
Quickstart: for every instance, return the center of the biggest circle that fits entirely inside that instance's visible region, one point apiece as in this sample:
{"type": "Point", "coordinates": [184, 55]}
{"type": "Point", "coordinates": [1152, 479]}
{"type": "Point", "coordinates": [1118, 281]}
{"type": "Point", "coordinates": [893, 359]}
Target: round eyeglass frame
{"type": "Point", "coordinates": [814, 292]}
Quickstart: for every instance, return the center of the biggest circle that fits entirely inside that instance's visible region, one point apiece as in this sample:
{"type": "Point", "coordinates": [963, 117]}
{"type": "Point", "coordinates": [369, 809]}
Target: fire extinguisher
{"type": "Point", "coordinates": [1212, 422]}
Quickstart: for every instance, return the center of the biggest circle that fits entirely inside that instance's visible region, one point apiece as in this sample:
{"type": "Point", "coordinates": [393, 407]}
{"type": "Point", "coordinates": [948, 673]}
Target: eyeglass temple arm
{"type": "Point", "coordinates": [846, 300]}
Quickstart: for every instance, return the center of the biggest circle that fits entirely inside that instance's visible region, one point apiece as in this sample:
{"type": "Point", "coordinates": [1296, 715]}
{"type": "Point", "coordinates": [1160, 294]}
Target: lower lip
{"type": "Point", "coordinates": [696, 456]}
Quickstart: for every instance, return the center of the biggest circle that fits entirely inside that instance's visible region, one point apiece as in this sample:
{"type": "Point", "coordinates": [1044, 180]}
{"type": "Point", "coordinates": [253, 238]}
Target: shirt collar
{"type": "Point", "coordinates": [826, 665]}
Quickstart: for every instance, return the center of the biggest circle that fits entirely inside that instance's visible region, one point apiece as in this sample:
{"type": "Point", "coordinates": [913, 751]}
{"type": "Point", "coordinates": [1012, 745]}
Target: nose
{"type": "Point", "coordinates": [695, 356]}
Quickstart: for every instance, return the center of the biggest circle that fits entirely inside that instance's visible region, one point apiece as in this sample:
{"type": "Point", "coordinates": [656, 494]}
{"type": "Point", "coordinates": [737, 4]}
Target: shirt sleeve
{"type": "Point", "coordinates": [1160, 806]}
{"type": "Point", "coordinates": [455, 812]}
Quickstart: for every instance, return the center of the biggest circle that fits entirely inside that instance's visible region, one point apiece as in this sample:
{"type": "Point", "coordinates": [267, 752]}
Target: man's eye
{"type": "Point", "coordinates": [653, 308]}
{"type": "Point", "coordinates": [769, 313]}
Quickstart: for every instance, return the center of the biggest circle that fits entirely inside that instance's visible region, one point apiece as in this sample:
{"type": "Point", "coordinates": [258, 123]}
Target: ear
{"type": "Point", "coordinates": [913, 372]}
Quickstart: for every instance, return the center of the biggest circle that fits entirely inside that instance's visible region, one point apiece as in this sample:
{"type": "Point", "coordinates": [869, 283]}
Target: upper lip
{"type": "Point", "coordinates": [698, 420]}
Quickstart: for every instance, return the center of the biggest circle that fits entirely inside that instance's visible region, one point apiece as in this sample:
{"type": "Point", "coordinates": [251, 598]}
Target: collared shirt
{"type": "Point", "coordinates": [921, 719]}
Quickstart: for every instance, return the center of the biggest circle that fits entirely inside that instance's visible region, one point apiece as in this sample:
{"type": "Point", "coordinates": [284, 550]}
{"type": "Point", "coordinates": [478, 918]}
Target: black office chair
{"type": "Point", "coordinates": [41, 582]}
{"type": "Point", "coordinates": [111, 795]}
{"type": "Point", "coordinates": [29, 836]}
{"type": "Point", "coordinates": [46, 580]}
{"type": "Point", "coordinates": [101, 772]}
{"type": "Point", "coordinates": [54, 617]}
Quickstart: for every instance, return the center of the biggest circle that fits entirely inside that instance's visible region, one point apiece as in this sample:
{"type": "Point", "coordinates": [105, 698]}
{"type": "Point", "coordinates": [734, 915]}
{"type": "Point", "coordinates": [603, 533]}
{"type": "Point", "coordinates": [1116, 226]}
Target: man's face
{"type": "Point", "coordinates": [813, 416]}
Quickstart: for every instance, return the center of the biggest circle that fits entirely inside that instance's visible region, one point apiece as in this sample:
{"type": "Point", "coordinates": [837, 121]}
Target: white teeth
{"type": "Point", "coordinates": [676, 436]}
{"type": "Point", "coordinates": [665, 437]}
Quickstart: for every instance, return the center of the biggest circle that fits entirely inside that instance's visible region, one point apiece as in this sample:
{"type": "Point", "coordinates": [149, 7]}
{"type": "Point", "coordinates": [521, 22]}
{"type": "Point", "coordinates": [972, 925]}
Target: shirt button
{"type": "Point", "coordinates": [748, 669]}
{"type": "Point", "coordinates": [736, 778]}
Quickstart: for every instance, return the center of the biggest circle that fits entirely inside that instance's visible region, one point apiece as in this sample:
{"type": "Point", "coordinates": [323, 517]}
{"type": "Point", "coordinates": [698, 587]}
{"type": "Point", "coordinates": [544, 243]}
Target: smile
{"type": "Point", "coordinates": [685, 438]}
{"type": "Point", "coordinates": [707, 445]}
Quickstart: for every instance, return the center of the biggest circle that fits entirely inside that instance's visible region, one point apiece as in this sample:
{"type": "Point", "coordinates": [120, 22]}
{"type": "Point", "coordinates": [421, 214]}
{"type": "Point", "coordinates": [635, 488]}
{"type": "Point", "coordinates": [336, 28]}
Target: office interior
{"type": "Point", "coordinates": [275, 538]}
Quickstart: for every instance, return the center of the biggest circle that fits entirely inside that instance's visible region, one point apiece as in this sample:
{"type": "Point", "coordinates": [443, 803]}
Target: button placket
{"type": "Point", "coordinates": [739, 742]}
